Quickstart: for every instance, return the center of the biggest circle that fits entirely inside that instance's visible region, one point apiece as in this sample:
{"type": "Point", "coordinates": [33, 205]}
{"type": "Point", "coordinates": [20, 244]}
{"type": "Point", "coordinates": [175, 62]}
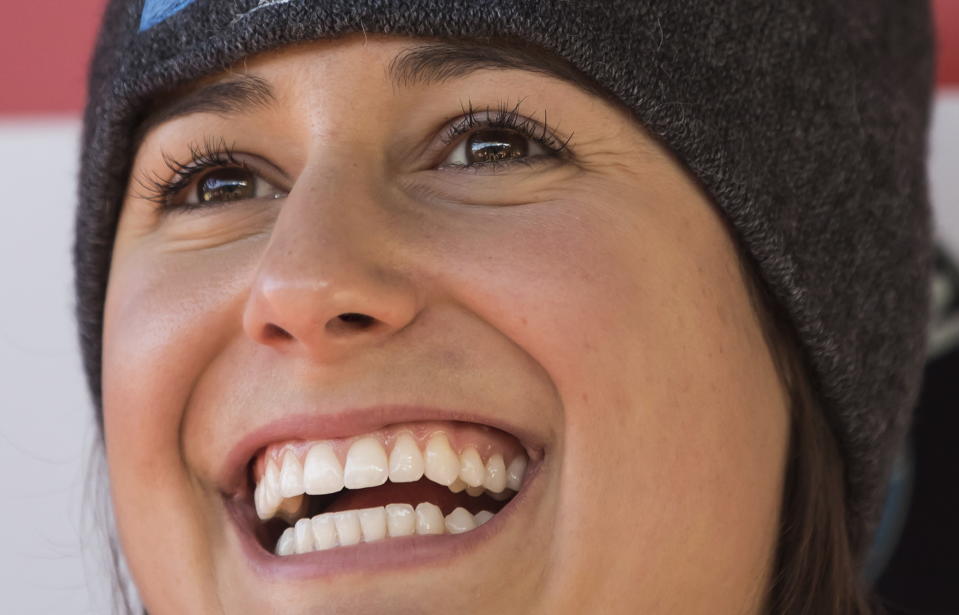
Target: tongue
{"type": "Point", "coordinates": [412, 493]}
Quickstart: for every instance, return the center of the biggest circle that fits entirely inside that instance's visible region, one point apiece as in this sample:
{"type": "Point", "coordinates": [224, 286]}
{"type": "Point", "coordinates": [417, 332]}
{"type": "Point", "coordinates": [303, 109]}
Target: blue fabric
{"type": "Point", "coordinates": [894, 513]}
{"type": "Point", "coordinates": [156, 11]}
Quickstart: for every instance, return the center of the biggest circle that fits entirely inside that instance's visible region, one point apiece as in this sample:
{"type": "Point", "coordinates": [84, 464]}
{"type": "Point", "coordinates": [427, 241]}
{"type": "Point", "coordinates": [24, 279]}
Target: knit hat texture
{"type": "Point", "coordinates": [805, 122]}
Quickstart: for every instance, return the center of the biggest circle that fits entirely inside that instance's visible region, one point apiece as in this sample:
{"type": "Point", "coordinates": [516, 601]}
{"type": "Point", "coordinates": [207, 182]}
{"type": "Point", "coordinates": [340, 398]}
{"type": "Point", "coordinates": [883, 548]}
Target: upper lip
{"type": "Point", "coordinates": [232, 475]}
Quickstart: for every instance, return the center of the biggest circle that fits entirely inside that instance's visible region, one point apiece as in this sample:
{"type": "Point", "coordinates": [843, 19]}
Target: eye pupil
{"type": "Point", "coordinates": [226, 185]}
{"type": "Point", "coordinates": [493, 145]}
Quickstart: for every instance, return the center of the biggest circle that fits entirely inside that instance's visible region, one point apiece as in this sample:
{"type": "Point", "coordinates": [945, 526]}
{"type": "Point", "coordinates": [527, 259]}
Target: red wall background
{"type": "Point", "coordinates": [947, 34]}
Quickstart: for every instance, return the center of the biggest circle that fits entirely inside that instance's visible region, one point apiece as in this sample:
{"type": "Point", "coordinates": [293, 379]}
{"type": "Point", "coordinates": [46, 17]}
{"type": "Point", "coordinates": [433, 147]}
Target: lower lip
{"type": "Point", "coordinates": [390, 553]}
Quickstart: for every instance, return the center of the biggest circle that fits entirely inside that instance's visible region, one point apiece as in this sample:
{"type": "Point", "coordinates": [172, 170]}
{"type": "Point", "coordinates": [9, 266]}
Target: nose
{"type": "Point", "coordinates": [328, 283]}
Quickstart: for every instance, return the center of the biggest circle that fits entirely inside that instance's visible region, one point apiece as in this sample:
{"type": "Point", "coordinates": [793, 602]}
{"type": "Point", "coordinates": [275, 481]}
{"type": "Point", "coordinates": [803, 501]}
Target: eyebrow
{"type": "Point", "coordinates": [440, 61]}
{"type": "Point", "coordinates": [237, 95]}
{"type": "Point", "coordinates": [426, 63]}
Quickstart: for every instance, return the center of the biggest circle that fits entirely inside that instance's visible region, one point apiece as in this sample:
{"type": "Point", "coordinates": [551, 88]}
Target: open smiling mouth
{"type": "Point", "coordinates": [408, 479]}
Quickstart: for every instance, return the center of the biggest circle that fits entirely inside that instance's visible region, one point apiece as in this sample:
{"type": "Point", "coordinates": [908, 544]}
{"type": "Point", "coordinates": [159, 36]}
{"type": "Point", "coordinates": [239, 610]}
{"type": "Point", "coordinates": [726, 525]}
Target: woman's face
{"type": "Point", "coordinates": [357, 291]}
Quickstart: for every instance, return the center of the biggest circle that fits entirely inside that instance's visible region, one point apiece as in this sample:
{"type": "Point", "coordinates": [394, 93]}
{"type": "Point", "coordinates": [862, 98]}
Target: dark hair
{"type": "Point", "coordinates": [815, 571]}
{"type": "Point", "coordinates": [98, 521]}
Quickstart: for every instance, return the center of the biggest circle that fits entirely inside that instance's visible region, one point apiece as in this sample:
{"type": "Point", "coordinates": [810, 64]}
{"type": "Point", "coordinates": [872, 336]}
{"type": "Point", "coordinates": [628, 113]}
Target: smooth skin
{"type": "Point", "coordinates": [595, 301]}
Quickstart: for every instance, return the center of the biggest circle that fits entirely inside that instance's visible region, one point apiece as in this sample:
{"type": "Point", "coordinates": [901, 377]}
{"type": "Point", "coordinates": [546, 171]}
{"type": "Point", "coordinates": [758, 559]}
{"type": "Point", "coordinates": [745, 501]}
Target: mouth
{"type": "Point", "coordinates": [387, 488]}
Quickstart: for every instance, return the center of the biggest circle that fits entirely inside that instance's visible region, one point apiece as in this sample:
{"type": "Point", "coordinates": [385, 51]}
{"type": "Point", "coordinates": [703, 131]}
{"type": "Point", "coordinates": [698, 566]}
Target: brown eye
{"type": "Point", "coordinates": [494, 145]}
{"type": "Point", "coordinates": [228, 184]}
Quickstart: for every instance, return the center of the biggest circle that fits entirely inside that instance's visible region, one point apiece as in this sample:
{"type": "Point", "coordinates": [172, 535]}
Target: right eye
{"type": "Point", "coordinates": [226, 184]}
{"type": "Point", "coordinates": [213, 175]}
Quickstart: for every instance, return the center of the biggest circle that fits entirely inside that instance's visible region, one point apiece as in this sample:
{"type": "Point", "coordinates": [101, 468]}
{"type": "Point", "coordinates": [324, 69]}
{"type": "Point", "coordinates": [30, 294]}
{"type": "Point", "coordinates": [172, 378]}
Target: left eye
{"type": "Point", "coordinates": [492, 146]}
{"type": "Point", "coordinates": [230, 184]}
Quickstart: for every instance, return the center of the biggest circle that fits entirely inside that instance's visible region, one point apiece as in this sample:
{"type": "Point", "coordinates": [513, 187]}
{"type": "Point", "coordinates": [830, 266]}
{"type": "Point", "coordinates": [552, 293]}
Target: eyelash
{"type": "Point", "coordinates": [508, 117]}
{"type": "Point", "coordinates": [211, 154]}
{"type": "Point", "coordinates": [215, 154]}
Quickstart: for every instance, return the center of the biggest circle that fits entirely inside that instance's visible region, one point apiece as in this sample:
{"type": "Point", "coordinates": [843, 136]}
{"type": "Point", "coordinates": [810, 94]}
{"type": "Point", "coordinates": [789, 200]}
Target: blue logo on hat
{"type": "Point", "coordinates": [156, 11]}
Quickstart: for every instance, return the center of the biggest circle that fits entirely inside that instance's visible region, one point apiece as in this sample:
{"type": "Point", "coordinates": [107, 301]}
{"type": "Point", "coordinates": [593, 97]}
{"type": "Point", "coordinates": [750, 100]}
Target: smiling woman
{"type": "Point", "coordinates": [396, 263]}
{"type": "Point", "coordinates": [395, 315]}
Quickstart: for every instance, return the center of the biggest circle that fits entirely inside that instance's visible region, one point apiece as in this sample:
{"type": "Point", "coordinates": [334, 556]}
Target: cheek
{"type": "Point", "coordinates": [165, 317]}
{"type": "Point", "coordinates": [674, 426]}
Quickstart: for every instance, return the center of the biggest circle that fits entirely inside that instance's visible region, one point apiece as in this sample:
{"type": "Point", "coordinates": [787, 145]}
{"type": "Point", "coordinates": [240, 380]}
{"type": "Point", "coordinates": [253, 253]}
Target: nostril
{"type": "Point", "coordinates": [273, 332]}
{"type": "Point", "coordinates": [341, 324]}
{"type": "Point", "coordinates": [360, 321]}
{"type": "Point", "coordinates": [350, 321]}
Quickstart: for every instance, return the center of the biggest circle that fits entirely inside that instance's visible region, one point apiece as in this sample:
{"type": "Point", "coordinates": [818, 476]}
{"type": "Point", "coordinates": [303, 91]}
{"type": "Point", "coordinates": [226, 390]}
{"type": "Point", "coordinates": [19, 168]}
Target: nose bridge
{"type": "Point", "coordinates": [326, 284]}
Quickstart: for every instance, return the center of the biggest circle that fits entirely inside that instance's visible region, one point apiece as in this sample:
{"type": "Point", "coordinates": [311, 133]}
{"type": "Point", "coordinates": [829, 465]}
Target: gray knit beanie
{"type": "Point", "coordinates": [805, 122]}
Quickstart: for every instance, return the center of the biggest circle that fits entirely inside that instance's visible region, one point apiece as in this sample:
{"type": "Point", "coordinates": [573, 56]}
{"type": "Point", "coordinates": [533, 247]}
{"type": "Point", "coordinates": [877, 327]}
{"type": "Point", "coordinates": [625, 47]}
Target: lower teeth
{"type": "Point", "coordinates": [349, 527]}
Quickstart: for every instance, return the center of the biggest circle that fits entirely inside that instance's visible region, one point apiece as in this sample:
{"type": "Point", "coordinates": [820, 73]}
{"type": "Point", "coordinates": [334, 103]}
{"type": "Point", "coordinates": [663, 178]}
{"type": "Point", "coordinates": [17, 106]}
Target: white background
{"type": "Point", "coordinates": [46, 429]}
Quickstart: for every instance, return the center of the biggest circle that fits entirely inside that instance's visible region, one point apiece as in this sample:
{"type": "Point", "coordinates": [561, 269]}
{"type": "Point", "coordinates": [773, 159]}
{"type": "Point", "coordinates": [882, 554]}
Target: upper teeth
{"type": "Point", "coordinates": [367, 464]}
